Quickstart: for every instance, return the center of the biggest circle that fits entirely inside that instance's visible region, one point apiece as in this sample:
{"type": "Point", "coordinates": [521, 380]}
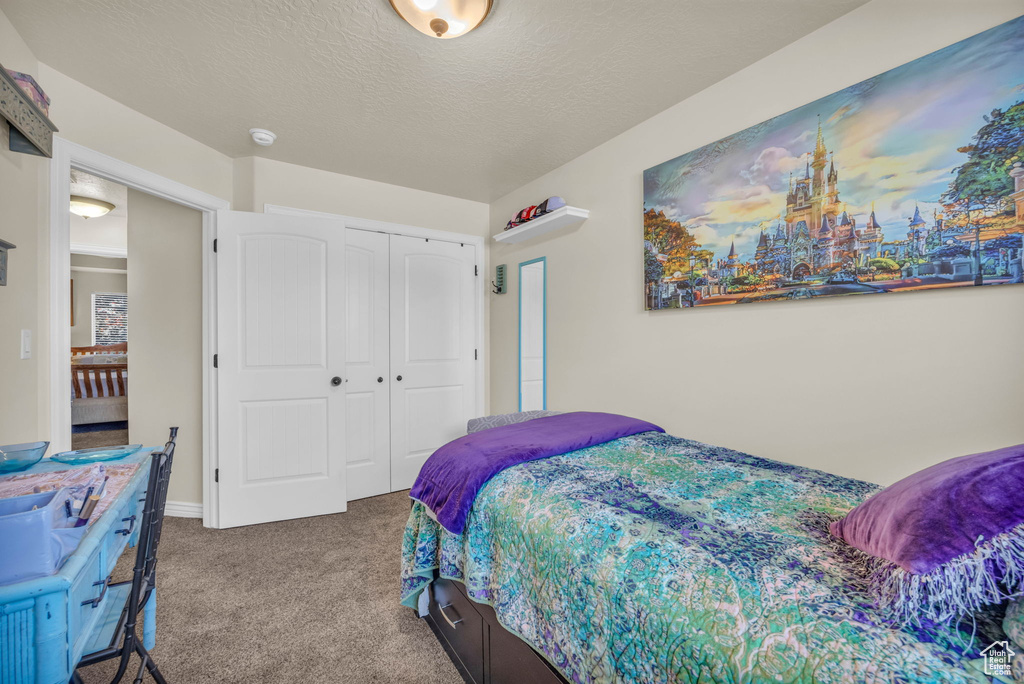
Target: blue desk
{"type": "Point", "coordinates": [46, 623]}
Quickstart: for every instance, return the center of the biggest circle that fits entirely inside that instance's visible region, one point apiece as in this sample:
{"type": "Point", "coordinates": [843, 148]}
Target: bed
{"type": "Point", "coordinates": [653, 558]}
{"type": "Point", "coordinates": [99, 384]}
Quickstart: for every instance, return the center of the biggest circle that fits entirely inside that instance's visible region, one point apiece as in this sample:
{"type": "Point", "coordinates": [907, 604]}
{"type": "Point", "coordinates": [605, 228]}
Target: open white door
{"type": "Point", "coordinates": [281, 365]}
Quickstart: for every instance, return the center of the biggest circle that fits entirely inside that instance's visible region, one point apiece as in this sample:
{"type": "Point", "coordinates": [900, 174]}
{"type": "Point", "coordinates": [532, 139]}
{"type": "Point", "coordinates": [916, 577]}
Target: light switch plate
{"type": "Point", "coordinates": [26, 344]}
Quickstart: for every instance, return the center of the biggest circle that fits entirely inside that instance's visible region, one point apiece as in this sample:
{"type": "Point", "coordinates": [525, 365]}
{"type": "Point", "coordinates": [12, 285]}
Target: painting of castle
{"type": "Point", "coordinates": [911, 180]}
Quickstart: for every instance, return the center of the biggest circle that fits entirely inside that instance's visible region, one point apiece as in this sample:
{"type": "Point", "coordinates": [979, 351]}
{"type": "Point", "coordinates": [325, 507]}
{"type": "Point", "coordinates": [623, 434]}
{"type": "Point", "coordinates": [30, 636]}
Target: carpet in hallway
{"type": "Point", "coordinates": [99, 438]}
{"type": "Point", "coordinates": [310, 600]}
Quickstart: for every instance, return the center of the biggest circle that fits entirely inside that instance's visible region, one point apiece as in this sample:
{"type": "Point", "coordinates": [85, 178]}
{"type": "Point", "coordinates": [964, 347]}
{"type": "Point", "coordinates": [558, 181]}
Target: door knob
{"type": "Point", "coordinates": [335, 381]}
{"type": "Point", "coordinates": [399, 378]}
{"type": "Point", "coordinates": [381, 379]}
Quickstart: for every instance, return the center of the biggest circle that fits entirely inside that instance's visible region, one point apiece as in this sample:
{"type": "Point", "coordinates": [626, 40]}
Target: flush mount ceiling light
{"type": "Point", "coordinates": [88, 207]}
{"type": "Point", "coordinates": [443, 18]}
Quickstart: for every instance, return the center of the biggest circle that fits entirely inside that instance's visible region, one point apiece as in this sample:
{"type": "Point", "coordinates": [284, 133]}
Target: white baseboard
{"type": "Point", "coordinates": [183, 509]}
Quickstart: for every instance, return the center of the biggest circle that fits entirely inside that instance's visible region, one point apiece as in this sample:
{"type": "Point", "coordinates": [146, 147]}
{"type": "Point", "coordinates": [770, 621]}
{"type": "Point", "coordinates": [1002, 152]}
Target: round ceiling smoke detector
{"type": "Point", "coordinates": [262, 136]}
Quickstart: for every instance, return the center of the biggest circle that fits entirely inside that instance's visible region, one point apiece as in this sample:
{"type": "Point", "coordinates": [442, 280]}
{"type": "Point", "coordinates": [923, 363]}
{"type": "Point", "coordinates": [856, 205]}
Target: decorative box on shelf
{"type": "Point", "coordinates": [559, 219]}
{"type": "Point", "coordinates": [31, 130]}
{"type": "Point", "coordinates": [34, 91]}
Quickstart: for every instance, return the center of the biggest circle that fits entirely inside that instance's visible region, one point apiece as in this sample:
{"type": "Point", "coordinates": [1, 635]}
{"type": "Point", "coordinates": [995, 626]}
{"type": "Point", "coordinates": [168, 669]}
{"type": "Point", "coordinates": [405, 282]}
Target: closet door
{"type": "Point", "coordinates": [432, 350]}
{"type": "Point", "coordinates": [368, 379]}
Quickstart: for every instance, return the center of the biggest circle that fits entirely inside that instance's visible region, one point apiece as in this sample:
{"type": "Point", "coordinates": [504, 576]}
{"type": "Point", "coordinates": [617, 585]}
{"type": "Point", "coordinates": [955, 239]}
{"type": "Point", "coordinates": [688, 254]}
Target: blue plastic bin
{"type": "Point", "coordinates": [35, 542]}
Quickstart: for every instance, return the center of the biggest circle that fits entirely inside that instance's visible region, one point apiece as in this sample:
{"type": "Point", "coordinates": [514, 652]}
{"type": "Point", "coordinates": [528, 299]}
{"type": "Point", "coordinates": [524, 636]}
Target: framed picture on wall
{"type": "Point", "coordinates": [911, 180]}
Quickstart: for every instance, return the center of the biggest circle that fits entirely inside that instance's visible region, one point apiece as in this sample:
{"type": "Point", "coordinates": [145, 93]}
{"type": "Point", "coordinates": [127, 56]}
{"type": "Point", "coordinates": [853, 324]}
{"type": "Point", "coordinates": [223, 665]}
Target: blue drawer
{"type": "Point", "coordinates": [127, 517]}
{"type": "Point", "coordinates": [82, 607]}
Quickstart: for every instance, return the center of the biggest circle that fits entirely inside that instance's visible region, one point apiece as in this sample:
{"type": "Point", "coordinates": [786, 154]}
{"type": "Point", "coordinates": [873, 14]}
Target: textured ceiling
{"type": "Point", "coordinates": [349, 87]}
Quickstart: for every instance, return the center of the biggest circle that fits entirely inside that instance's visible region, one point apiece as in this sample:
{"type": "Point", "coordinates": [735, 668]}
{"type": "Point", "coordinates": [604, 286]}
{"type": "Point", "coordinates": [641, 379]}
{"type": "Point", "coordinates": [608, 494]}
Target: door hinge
{"type": "Point", "coordinates": [476, 270]}
{"type": "Point", "coordinates": [475, 356]}
{"type": "Point", "coordinates": [215, 359]}
{"type": "Point", "coordinates": [215, 244]}
{"type": "Point", "coordinates": [216, 474]}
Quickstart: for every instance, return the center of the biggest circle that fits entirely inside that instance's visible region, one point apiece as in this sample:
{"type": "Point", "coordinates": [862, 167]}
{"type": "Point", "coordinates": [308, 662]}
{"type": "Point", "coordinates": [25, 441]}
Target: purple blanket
{"type": "Point", "coordinates": [454, 474]}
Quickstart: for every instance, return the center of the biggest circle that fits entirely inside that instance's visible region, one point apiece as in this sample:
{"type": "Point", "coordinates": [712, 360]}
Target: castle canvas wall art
{"type": "Point", "coordinates": [911, 180]}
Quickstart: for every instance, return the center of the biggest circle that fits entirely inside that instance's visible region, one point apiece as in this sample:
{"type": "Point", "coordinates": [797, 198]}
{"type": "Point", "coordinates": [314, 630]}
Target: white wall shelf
{"type": "Point", "coordinates": [559, 219]}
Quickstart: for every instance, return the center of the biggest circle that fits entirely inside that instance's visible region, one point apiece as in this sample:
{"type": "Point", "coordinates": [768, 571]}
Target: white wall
{"type": "Point", "coordinates": [275, 182]}
{"type": "Point", "coordinates": [88, 283]}
{"type": "Point", "coordinates": [104, 233]}
{"type": "Point", "coordinates": [865, 387]}
{"type": "Point", "coordinates": [165, 334]}
{"type": "Point", "coordinates": [21, 301]}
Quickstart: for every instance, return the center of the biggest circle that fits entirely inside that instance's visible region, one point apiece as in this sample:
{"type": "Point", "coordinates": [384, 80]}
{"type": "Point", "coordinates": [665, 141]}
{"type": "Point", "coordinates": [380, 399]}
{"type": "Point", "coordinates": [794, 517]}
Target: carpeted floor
{"type": "Point", "coordinates": [99, 438]}
{"type": "Point", "coordinates": [311, 600]}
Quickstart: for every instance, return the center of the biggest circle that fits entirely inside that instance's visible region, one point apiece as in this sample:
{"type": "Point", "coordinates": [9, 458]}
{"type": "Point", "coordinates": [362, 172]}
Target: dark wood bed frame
{"type": "Point", "coordinates": [482, 650]}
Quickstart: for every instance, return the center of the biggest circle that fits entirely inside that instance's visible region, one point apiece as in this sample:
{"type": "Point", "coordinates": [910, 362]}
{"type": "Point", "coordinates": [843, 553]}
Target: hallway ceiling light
{"type": "Point", "coordinates": [443, 18]}
{"type": "Point", "coordinates": [88, 207]}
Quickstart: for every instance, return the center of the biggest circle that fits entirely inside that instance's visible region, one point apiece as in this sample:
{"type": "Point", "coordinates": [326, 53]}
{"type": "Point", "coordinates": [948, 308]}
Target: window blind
{"type": "Point", "coordinates": [109, 317]}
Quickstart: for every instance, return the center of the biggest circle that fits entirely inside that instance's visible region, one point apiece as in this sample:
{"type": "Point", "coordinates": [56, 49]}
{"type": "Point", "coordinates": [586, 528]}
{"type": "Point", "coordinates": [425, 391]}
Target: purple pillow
{"type": "Point", "coordinates": [946, 540]}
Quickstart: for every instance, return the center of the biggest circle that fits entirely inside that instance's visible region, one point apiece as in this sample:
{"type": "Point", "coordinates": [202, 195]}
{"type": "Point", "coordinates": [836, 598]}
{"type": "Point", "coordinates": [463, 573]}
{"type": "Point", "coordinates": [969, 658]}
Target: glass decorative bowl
{"type": "Point", "coordinates": [80, 456]}
{"type": "Point", "coordinates": [15, 457]}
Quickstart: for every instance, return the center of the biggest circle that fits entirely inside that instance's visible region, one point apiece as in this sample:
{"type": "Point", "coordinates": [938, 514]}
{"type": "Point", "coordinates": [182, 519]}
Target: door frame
{"type": "Point", "coordinates": [66, 156]}
{"type": "Point", "coordinates": [479, 258]}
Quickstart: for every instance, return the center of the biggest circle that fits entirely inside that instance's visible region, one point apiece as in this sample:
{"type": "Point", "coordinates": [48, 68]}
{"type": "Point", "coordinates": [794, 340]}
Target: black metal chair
{"type": "Point", "coordinates": [132, 595]}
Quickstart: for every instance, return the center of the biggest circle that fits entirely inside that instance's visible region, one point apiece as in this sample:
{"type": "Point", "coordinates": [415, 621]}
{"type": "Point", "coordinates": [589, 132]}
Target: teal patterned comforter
{"type": "Point", "coordinates": [658, 559]}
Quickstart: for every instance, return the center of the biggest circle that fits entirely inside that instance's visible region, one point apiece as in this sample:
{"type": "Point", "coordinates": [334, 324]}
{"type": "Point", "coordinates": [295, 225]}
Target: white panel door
{"type": "Point", "coordinates": [433, 384]}
{"type": "Point", "coordinates": [367, 410]}
{"type": "Point", "coordinates": [281, 352]}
